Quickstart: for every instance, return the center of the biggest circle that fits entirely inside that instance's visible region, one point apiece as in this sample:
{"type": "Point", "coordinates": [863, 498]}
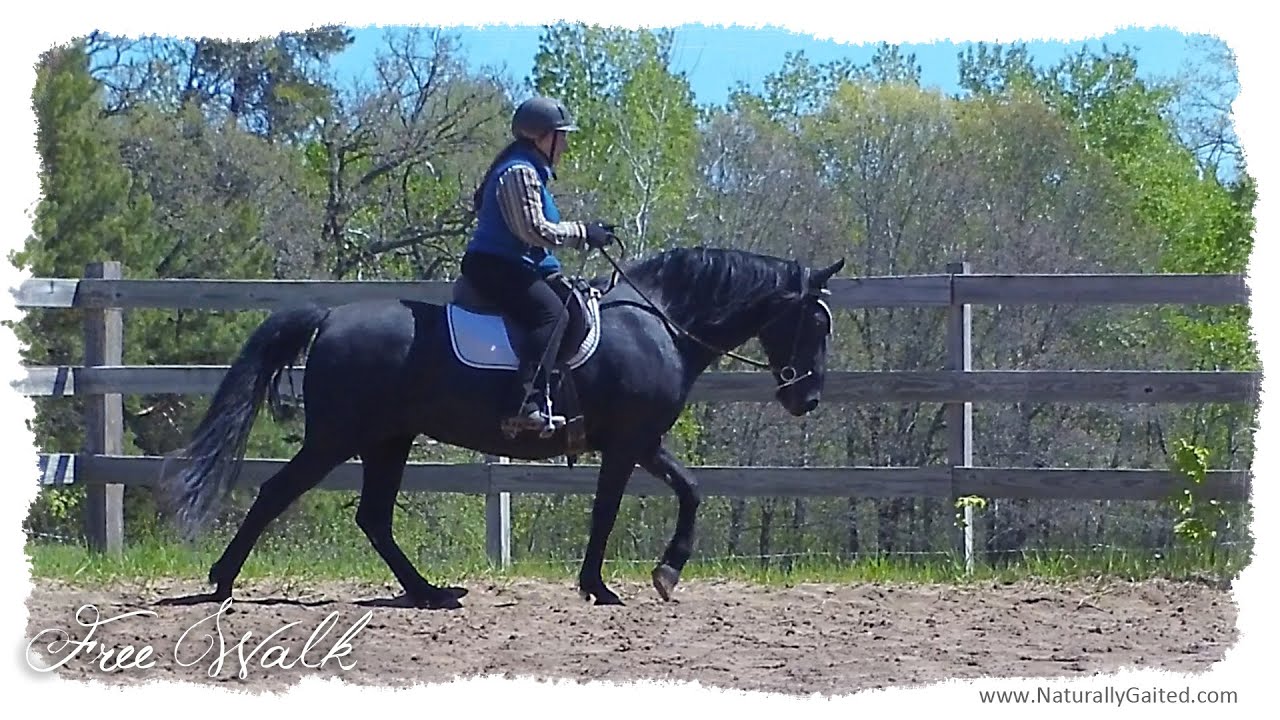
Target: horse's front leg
{"type": "Point", "coordinates": [665, 467]}
{"type": "Point", "coordinates": [616, 467]}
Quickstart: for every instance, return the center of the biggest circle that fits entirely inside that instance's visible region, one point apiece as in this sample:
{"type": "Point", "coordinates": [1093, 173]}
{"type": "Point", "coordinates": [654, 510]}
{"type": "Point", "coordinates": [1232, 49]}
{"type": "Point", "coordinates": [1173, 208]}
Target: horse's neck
{"type": "Point", "coordinates": [716, 331]}
{"type": "Point", "coordinates": [723, 335]}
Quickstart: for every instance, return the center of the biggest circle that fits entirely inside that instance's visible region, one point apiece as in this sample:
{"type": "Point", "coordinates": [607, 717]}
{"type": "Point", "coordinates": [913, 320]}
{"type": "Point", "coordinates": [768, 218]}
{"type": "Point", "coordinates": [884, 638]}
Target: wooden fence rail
{"type": "Point", "coordinates": [888, 291]}
{"type": "Point", "coordinates": [101, 467]}
{"type": "Point", "coordinates": [941, 481]}
{"type": "Point", "coordinates": [943, 386]}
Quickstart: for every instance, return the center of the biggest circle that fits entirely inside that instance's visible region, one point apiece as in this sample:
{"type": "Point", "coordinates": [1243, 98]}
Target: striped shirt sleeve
{"type": "Point", "coordinates": [520, 199]}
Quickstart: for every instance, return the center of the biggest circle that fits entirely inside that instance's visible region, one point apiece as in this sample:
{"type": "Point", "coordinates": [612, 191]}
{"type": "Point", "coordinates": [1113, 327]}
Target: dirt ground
{"type": "Point", "coordinates": [827, 639]}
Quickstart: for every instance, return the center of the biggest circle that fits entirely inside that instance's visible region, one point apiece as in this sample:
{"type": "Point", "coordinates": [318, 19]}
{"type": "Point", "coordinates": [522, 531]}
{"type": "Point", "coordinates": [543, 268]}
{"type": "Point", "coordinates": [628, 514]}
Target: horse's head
{"type": "Point", "coordinates": [795, 341]}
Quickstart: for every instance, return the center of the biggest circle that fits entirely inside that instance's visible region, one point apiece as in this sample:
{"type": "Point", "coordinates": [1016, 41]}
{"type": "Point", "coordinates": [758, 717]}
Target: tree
{"type": "Point", "coordinates": [273, 87]}
{"type": "Point", "coordinates": [91, 208]}
{"type": "Point", "coordinates": [1202, 226]}
{"type": "Point", "coordinates": [633, 160]}
{"type": "Point", "coordinates": [800, 88]}
{"type": "Point", "coordinates": [224, 206]}
{"type": "Point", "coordinates": [1180, 219]}
{"type": "Point", "coordinates": [1205, 87]}
{"type": "Point", "coordinates": [395, 164]}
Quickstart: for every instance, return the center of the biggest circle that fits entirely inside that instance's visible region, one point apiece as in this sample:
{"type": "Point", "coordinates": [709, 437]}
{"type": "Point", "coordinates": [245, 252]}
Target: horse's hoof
{"type": "Point", "coordinates": [222, 586]}
{"type": "Point", "coordinates": [215, 577]}
{"type": "Point", "coordinates": [438, 599]}
{"type": "Point", "coordinates": [443, 600]}
{"type": "Point", "coordinates": [608, 598]}
{"type": "Point", "coordinates": [602, 595]}
{"type": "Point", "coordinates": [665, 578]}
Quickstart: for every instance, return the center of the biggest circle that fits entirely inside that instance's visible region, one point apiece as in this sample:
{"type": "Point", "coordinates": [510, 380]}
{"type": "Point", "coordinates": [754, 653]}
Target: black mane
{"type": "Point", "coordinates": [713, 284]}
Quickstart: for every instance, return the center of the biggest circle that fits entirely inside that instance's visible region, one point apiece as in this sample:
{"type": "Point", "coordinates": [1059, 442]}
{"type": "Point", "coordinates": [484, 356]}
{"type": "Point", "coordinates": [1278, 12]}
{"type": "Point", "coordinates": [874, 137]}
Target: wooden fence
{"type": "Point", "coordinates": [103, 468]}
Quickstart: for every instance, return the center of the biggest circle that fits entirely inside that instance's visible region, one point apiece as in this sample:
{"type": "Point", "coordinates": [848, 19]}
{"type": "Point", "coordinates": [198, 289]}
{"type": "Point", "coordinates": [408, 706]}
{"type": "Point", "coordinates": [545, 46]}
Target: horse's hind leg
{"type": "Point", "coordinates": [299, 475]}
{"type": "Point", "coordinates": [383, 473]}
{"type": "Point", "coordinates": [666, 468]}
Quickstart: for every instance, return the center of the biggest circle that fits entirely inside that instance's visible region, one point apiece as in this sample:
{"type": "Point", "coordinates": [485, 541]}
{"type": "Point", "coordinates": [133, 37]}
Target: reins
{"type": "Point", "coordinates": [788, 373]}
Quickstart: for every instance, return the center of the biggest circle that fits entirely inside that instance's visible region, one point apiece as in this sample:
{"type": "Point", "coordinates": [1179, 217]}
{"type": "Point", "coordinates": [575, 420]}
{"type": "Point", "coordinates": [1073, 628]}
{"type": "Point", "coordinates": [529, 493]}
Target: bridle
{"type": "Point", "coordinates": [787, 374]}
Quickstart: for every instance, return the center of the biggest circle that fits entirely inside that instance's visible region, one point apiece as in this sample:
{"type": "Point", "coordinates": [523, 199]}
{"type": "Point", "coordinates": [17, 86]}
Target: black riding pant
{"type": "Point", "coordinates": [522, 294]}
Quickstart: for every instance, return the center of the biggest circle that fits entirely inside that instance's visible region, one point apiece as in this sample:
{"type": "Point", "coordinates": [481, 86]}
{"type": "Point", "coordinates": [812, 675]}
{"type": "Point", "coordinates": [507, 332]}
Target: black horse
{"type": "Point", "coordinates": [380, 373]}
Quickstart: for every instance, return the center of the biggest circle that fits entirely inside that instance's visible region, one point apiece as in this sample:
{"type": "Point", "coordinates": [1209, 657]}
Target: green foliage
{"type": "Point", "coordinates": [1199, 517]}
{"type": "Point", "coordinates": [92, 208]}
{"type": "Point", "coordinates": [995, 70]}
{"type": "Point", "coordinates": [271, 87]}
{"type": "Point", "coordinates": [800, 88]}
{"type": "Point", "coordinates": [302, 558]}
{"type": "Point", "coordinates": [167, 196]}
{"type": "Point", "coordinates": [391, 170]}
{"type": "Point", "coordinates": [968, 501]}
{"type": "Point", "coordinates": [686, 435]}
{"type": "Point", "coordinates": [632, 162]}
{"type": "Point", "coordinates": [56, 512]}
{"type": "Point", "coordinates": [1186, 220]}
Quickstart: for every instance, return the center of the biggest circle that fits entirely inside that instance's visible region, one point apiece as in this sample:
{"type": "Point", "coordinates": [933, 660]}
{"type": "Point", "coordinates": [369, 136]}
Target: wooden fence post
{"type": "Point", "coordinates": [497, 521]}
{"type": "Point", "coordinates": [960, 415]}
{"type": "Point", "coordinates": [104, 418]}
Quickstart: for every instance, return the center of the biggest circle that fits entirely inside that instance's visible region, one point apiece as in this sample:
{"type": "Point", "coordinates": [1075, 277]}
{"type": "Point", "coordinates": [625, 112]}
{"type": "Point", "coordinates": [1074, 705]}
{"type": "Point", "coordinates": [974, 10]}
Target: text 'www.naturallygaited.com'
{"type": "Point", "coordinates": [1110, 696]}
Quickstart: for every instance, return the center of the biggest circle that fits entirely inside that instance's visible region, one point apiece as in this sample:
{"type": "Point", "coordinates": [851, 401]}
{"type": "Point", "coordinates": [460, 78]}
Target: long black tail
{"type": "Point", "coordinates": [207, 469]}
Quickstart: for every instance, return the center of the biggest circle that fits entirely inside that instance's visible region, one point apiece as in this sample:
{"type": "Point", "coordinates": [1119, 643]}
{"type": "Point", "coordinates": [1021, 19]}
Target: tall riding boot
{"type": "Point", "coordinates": [533, 410]}
{"type": "Point", "coordinates": [535, 402]}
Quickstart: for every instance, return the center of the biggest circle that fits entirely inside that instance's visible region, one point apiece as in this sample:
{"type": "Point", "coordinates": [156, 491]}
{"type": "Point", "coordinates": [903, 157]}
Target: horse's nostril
{"type": "Point", "coordinates": [811, 404]}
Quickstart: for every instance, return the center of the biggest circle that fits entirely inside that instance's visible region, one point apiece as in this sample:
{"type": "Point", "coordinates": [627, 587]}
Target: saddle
{"type": "Point", "coordinates": [483, 338]}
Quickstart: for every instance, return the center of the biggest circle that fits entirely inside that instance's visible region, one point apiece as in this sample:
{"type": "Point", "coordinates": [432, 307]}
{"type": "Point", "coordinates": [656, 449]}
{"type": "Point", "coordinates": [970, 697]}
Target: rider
{"type": "Point", "coordinates": [518, 226]}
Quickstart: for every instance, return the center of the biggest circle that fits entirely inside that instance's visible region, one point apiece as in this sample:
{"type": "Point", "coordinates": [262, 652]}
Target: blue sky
{"type": "Point", "coordinates": [716, 58]}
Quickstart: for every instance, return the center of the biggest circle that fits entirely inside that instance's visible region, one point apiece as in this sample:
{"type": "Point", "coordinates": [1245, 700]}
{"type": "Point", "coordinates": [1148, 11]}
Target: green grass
{"type": "Point", "coordinates": [151, 559]}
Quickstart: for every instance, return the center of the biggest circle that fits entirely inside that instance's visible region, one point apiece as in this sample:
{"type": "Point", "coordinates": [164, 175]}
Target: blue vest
{"type": "Point", "coordinates": [492, 235]}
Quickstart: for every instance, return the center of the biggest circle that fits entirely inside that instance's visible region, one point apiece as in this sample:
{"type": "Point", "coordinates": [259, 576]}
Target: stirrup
{"type": "Point", "coordinates": [533, 417]}
{"type": "Point", "coordinates": [546, 425]}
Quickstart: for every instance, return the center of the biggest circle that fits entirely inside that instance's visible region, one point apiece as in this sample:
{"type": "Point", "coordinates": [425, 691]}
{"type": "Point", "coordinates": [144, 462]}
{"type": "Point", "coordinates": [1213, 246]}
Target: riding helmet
{"type": "Point", "coordinates": [540, 115]}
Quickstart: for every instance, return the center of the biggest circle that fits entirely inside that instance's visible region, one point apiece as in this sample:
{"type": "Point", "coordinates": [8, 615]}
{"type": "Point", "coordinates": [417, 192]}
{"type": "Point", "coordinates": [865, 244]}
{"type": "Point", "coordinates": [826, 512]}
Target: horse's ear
{"type": "Point", "coordinates": [820, 277]}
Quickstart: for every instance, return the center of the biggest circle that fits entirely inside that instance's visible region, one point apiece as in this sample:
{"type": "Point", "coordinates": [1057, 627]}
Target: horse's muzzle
{"type": "Point", "coordinates": [802, 409]}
